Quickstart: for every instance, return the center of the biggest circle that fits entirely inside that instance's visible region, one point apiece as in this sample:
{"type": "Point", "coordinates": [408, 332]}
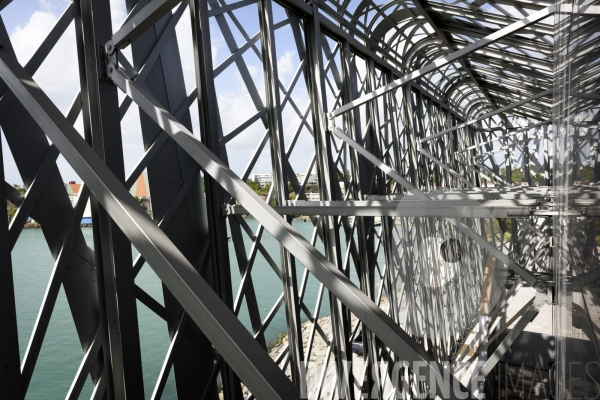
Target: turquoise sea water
{"type": "Point", "coordinates": [61, 352]}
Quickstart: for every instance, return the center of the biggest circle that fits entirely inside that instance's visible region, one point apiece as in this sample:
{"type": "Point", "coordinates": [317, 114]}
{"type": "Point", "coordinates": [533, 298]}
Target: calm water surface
{"type": "Point", "coordinates": [61, 352]}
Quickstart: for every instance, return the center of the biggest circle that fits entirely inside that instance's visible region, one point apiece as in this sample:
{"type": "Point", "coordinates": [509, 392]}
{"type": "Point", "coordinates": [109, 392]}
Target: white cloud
{"type": "Point", "coordinates": [186, 48]}
{"type": "Point", "coordinates": [253, 71]}
{"type": "Point", "coordinates": [53, 6]}
{"type": "Point", "coordinates": [58, 75]}
{"type": "Point", "coordinates": [235, 108]}
{"type": "Point", "coordinates": [118, 13]}
{"type": "Point", "coordinates": [27, 38]}
{"type": "Point", "coordinates": [285, 64]}
{"type": "Point", "coordinates": [59, 78]}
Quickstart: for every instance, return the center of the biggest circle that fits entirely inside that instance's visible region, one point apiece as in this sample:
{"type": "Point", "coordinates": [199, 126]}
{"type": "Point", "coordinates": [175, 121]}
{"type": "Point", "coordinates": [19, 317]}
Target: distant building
{"type": "Point", "coordinates": [141, 190]}
{"type": "Point", "coordinates": [267, 179]}
{"type": "Point", "coordinates": [73, 190]}
{"type": "Point", "coordinates": [312, 178]}
{"type": "Point", "coordinates": [313, 197]}
{"type": "Point", "coordinates": [263, 179]}
{"type": "Point", "coordinates": [489, 184]}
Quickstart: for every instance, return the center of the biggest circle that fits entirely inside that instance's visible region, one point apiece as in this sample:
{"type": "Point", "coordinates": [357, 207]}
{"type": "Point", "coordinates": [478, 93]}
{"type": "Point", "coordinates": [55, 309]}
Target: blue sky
{"type": "Point", "coordinates": [18, 13]}
{"type": "Point", "coordinates": [29, 21]}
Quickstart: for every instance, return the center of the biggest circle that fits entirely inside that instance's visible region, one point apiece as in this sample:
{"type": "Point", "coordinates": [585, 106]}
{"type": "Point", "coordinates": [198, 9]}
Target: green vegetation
{"type": "Point", "coordinates": [517, 177]}
{"type": "Point", "coordinates": [585, 174]}
{"type": "Point", "coordinates": [498, 230]}
{"type": "Point", "coordinates": [595, 231]}
{"type": "Point", "coordinates": [257, 189]}
{"type": "Point", "coordinates": [312, 189]}
{"type": "Point", "coordinates": [11, 209]}
{"type": "Point", "coordinates": [277, 341]}
{"type": "Point", "coordinates": [340, 177]}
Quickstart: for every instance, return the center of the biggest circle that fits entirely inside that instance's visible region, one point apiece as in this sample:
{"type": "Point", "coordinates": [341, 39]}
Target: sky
{"type": "Point", "coordinates": [29, 21]}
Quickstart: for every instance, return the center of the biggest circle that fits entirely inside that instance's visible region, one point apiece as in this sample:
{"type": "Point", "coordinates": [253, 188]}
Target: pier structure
{"type": "Point", "coordinates": [455, 146]}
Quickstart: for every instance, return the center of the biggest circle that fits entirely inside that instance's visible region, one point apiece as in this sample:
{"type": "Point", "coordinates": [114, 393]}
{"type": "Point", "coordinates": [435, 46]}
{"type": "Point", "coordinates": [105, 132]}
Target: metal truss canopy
{"type": "Point", "coordinates": [436, 150]}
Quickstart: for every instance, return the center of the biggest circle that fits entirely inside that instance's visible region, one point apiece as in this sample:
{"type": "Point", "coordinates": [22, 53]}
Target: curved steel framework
{"type": "Point", "coordinates": [449, 139]}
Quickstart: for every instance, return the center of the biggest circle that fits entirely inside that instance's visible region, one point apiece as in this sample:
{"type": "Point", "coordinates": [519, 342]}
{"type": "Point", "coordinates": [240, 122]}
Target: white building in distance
{"type": "Point", "coordinates": [263, 179]}
{"type": "Point", "coordinates": [312, 178]}
{"type": "Point", "coordinates": [267, 179]}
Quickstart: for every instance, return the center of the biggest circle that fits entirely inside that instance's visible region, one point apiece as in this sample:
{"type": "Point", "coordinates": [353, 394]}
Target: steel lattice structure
{"type": "Point", "coordinates": [440, 134]}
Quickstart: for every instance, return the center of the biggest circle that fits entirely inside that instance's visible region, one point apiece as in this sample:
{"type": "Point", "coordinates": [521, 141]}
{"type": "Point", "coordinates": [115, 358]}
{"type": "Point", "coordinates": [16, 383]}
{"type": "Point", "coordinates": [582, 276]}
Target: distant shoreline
{"type": "Point", "coordinates": [36, 225]}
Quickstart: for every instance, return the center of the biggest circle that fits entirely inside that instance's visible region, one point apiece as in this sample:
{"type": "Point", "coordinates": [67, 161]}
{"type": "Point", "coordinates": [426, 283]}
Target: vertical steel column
{"type": "Point", "coordinates": [10, 361]}
{"type": "Point", "coordinates": [235, 226]}
{"type": "Point", "coordinates": [419, 133]}
{"type": "Point", "coordinates": [361, 186]}
{"type": "Point", "coordinates": [525, 154]}
{"type": "Point", "coordinates": [389, 234]}
{"type": "Point", "coordinates": [288, 266]}
{"type": "Point", "coordinates": [372, 143]}
{"type": "Point", "coordinates": [469, 135]}
{"type": "Point", "coordinates": [410, 132]}
{"type": "Point", "coordinates": [507, 158]}
{"type": "Point", "coordinates": [122, 355]}
{"type": "Point", "coordinates": [387, 224]}
{"type": "Point", "coordinates": [340, 321]}
{"type": "Point", "coordinates": [170, 172]}
{"type": "Point", "coordinates": [547, 175]}
{"type": "Point", "coordinates": [210, 132]}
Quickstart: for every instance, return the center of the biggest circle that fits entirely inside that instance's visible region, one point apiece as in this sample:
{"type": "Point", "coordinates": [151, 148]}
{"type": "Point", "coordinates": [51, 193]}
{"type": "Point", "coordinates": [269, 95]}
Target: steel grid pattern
{"type": "Point", "coordinates": [430, 128]}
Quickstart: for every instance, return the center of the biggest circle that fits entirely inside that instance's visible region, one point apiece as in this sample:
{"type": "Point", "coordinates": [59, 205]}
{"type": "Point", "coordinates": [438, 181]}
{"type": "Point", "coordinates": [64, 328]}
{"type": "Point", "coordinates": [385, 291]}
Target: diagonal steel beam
{"type": "Point", "coordinates": [168, 361]}
{"type": "Point", "coordinates": [31, 197]}
{"type": "Point", "coordinates": [487, 115]}
{"type": "Point", "coordinates": [528, 315]}
{"type": "Point", "coordinates": [212, 316]}
{"type": "Point", "coordinates": [99, 389]}
{"type": "Point", "coordinates": [448, 169]}
{"type": "Point", "coordinates": [495, 333]}
{"type": "Point", "coordinates": [50, 41]}
{"type": "Point", "coordinates": [56, 279]}
{"type": "Point", "coordinates": [28, 143]}
{"type": "Point", "coordinates": [39, 182]}
{"type": "Point", "coordinates": [140, 23]}
{"type": "Point", "coordinates": [342, 288]}
{"type": "Point", "coordinates": [527, 276]}
{"type": "Point", "coordinates": [183, 190]}
{"type": "Point", "coordinates": [447, 39]}
{"type": "Point", "coordinates": [84, 368]}
{"type": "Point", "coordinates": [10, 379]}
{"type": "Point", "coordinates": [494, 37]}
{"type": "Point", "coordinates": [275, 125]}
{"type": "Point", "coordinates": [39, 57]}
